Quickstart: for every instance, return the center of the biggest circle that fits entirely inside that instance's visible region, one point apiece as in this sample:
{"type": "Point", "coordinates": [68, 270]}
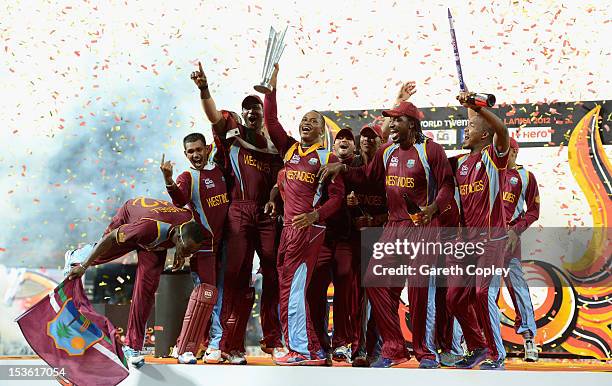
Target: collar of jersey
{"type": "Point", "coordinates": [312, 148]}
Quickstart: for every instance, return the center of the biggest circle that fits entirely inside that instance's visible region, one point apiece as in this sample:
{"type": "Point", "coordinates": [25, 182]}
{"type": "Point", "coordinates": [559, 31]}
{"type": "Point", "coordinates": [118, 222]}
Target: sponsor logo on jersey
{"type": "Point", "coordinates": [394, 161]}
{"type": "Point", "coordinates": [209, 183]}
{"type": "Point", "coordinates": [295, 159]}
{"type": "Point", "coordinates": [464, 170]}
{"type": "Point", "coordinates": [410, 163]}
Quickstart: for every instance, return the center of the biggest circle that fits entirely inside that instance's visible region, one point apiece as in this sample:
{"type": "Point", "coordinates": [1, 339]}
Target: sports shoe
{"type": "Point", "coordinates": [75, 256]}
{"type": "Point", "coordinates": [279, 352]}
{"type": "Point", "coordinates": [133, 357]}
{"type": "Point", "coordinates": [490, 364]}
{"type": "Point", "coordinates": [326, 356]}
{"type": "Point", "coordinates": [472, 359]}
{"type": "Point", "coordinates": [296, 359]}
{"type": "Point", "coordinates": [531, 351]}
{"type": "Point", "coordinates": [383, 362]}
{"type": "Point", "coordinates": [236, 358]}
{"type": "Point", "coordinates": [213, 356]}
{"type": "Point", "coordinates": [174, 352]}
{"type": "Point", "coordinates": [427, 363]}
{"type": "Point", "coordinates": [448, 359]}
{"type": "Point", "coordinates": [187, 358]}
{"type": "Point", "coordinates": [360, 359]}
{"type": "Point", "coordinates": [342, 354]}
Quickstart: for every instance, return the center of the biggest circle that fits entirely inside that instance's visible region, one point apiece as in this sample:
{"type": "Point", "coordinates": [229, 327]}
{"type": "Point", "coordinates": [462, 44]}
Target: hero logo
{"type": "Point", "coordinates": [313, 161]}
{"type": "Point", "coordinates": [531, 134]}
{"type": "Point", "coordinates": [209, 183]}
{"type": "Point", "coordinates": [295, 159]}
{"type": "Point", "coordinates": [394, 161]}
{"type": "Point", "coordinates": [464, 170]}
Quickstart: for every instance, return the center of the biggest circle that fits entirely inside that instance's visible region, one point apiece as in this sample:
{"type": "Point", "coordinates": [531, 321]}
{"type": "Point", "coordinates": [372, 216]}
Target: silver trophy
{"type": "Point", "coordinates": [274, 50]}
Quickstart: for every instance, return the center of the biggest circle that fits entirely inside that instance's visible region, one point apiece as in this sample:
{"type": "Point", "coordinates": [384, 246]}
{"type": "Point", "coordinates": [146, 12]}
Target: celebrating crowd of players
{"type": "Point", "coordinates": [226, 206]}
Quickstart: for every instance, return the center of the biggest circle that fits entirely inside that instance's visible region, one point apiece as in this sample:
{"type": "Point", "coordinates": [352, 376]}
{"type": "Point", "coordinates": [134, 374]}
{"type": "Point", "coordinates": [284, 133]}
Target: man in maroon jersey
{"type": "Point", "coordinates": [411, 166]}
{"type": "Point", "coordinates": [479, 176]}
{"type": "Point", "coordinates": [368, 206]}
{"type": "Point", "coordinates": [252, 166]}
{"type": "Point", "coordinates": [150, 227]}
{"type": "Point", "coordinates": [520, 190]}
{"type": "Point", "coordinates": [305, 213]}
{"type": "Point", "coordinates": [334, 264]}
{"type": "Point", "coordinates": [203, 189]}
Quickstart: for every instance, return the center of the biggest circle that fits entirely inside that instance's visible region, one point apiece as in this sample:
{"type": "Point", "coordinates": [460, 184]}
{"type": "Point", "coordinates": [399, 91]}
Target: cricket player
{"type": "Point", "coordinates": [150, 227]}
{"type": "Point", "coordinates": [252, 167]}
{"type": "Point", "coordinates": [335, 265]}
{"type": "Point", "coordinates": [303, 233]}
{"type": "Point", "coordinates": [415, 166]}
{"type": "Point", "coordinates": [480, 177]}
{"type": "Point", "coordinates": [202, 188]}
{"type": "Point", "coordinates": [368, 206]}
{"type": "Point", "coordinates": [520, 191]}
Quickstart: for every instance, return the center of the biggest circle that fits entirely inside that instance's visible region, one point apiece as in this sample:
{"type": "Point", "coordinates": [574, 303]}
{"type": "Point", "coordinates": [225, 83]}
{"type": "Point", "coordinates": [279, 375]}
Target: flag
{"type": "Point", "coordinates": [66, 332]}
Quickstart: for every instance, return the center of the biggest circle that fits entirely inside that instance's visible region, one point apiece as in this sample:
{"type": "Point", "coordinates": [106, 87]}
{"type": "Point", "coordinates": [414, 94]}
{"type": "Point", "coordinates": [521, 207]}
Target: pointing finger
{"type": "Point", "coordinates": [163, 158]}
{"type": "Point", "coordinates": [200, 66]}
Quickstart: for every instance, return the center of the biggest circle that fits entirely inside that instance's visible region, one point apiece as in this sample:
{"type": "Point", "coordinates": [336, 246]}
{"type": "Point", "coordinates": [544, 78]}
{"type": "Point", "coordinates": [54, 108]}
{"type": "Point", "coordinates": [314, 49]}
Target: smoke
{"type": "Point", "coordinates": [109, 154]}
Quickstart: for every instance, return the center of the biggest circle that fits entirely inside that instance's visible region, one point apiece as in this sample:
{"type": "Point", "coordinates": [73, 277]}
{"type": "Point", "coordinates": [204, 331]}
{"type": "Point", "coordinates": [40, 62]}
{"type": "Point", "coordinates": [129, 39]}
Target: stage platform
{"type": "Point", "coordinates": [261, 371]}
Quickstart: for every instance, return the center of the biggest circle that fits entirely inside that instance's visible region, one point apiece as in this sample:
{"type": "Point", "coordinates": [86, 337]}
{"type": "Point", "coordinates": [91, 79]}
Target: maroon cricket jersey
{"type": "Point", "coordinates": [422, 172]}
{"type": "Point", "coordinates": [480, 178]}
{"type": "Point", "coordinates": [205, 193]}
{"type": "Point", "coordinates": [520, 190]}
{"type": "Point", "coordinates": [303, 193]}
{"type": "Point", "coordinates": [252, 173]}
{"type": "Point", "coordinates": [147, 223]}
{"type": "Point", "coordinates": [371, 197]}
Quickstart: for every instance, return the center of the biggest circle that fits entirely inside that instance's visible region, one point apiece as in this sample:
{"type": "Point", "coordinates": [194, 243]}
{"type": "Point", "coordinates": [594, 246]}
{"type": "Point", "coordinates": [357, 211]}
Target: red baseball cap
{"type": "Point", "coordinates": [345, 131]}
{"type": "Point", "coordinates": [404, 109]}
{"type": "Point", "coordinates": [250, 100]}
{"type": "Point", "coordinates": [374, 127]}
{"type": "Point", "coordinates": [513, 144]}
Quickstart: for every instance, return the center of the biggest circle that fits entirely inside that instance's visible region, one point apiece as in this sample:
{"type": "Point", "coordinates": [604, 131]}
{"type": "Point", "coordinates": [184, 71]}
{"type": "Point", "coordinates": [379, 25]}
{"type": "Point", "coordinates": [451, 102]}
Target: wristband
{"type": "Point", "coordinates": [82, 266]}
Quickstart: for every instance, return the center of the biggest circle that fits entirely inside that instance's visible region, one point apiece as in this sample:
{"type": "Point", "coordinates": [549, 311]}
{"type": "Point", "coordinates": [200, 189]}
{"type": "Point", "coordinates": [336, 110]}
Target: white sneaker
{"type": "Point", "coordinates": [342, 354]}
{"type": "Point", "coordinates": [174, 353]}
{"type": "Point", "coordinates": [531, 351]}
{"type": "Point", "coordinates": [133, 357]}
{"type": "Point", "coordinates": [213, 356]}
{"type": "Point", "coordinates": [187, 358]}
{"type": "Point", "coordinates": [236, 358]}
{"type": "Point", "coordinates": [279, 352]}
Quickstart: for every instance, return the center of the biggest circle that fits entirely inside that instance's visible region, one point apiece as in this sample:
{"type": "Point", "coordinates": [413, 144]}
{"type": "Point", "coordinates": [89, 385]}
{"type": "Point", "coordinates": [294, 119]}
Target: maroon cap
{"type": "Point", "coordinates": [375, 128]}
{"type": "Point", "coordinates": [345, 131]}
{"type": "Point", "coordinates": [404, 109]}
{"type": "Point", "coordinates": [513, 144]}
{"type": "Point", "coordinates": [250, 99]}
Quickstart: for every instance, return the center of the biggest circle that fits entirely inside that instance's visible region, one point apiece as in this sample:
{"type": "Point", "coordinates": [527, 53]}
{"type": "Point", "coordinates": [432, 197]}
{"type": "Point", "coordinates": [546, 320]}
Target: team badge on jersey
{"type": "Point", "coordinates": [209, 183]}
{"type": "Point", "coordinates": [295, 159]}
{"type": "Point", "coordinates": [478, 165]}
{"type": "Point", "coordinates": [464, 170]}
{"type": "Point", "coordinates": [513, 180]}
{"type": "Point", "coordinates": [313, 161]}
{"type": "Point", "coordinates": [394, 161]}
{"type": "Point", "coordinates": [410, 163]}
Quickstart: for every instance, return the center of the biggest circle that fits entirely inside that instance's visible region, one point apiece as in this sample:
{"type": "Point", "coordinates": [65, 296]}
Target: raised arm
{"type": "Point", "coordinates": [501, 137]}
{"type": "Point", "coordinates": [208, 103]}
{"type": "Point", "coordinates": [407, 90]}
{"type": "Point", "coordinates": [282, 141]}
{"type": "Point", "coordinates": [179, 192]}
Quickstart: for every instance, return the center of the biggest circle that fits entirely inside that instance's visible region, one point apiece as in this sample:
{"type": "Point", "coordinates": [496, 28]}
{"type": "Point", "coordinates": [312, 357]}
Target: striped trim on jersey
{"type": "Point", "coordinates": [520, 205]}
{"type": "Point", "coordinates": [234, 154]}
{"type": "Point", "coordinates": [196, 175]}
